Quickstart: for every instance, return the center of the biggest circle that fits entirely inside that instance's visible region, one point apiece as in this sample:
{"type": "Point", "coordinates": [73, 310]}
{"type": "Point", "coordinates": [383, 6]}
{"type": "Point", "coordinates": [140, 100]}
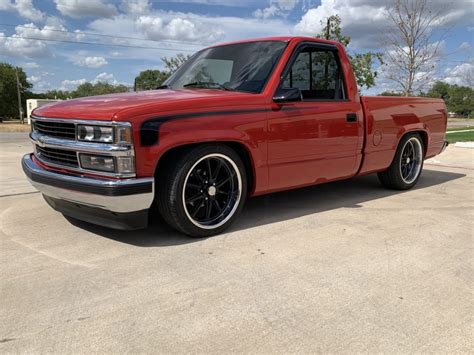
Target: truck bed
{"type": "Point", "coordinates": [388, 118]}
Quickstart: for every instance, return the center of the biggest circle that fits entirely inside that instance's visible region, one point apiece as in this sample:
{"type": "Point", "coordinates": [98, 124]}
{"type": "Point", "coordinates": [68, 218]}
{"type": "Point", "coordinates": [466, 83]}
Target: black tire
{"type": "Point", "coordinates": [191, 173]}
{"type": "Point", "coordinates": [401, 175]}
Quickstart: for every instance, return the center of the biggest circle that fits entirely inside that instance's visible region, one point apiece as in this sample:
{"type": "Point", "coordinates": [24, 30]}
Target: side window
{"type": "Point", "coordinates": [317, 74]}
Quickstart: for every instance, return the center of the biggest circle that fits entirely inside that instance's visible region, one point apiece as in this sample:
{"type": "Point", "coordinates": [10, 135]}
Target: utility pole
{"type": "Point", "coordinates": [328, 25]}
{"type": "Point", "coordinates": [20, 111]}
{"type": "Point", "coordinates": [326, 61]}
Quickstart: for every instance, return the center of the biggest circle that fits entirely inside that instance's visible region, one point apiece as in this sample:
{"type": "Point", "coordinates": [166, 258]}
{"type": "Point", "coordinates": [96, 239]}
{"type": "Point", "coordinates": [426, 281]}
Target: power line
{"type": "Point", "coordinates": [103, 35]}
{"type": "Point", "coordinates": [98, 44]}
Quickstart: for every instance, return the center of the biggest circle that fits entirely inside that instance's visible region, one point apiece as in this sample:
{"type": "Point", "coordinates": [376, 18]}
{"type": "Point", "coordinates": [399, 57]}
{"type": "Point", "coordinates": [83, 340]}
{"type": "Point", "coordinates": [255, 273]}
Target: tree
{"type": "Point", "coordinates": [362, 63]}
{"type": "Point", "coordinates": [440, 90]}
{"type": "Point", "coordinates": [172, 64]}
{"type": "Point", "coordinates": [8, 90]}
{"type": "Point", "coordinates": [150, 79]}
{"type": "Point", "coordinates": [390, 93]}
{"type": "Point", "coordinates": [100, 88]}
{"type": "Point", "coordinates": [459, 99]}
{"type": "Point", "coordinates": [411, 49]}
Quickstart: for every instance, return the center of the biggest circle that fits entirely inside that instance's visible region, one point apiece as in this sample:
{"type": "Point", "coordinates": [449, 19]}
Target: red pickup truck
{"type": "Point", "coordinates": [236, 120]}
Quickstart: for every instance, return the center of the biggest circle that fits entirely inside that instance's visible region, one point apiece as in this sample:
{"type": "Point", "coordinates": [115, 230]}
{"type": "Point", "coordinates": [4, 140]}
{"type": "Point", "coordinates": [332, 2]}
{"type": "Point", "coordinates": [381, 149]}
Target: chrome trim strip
{"type": "Point", "coordinates": [87, 122]}
{"type": "Point", "coordinates": [84, 147]}
{"type": "Point", "coordinates": [119, 204]}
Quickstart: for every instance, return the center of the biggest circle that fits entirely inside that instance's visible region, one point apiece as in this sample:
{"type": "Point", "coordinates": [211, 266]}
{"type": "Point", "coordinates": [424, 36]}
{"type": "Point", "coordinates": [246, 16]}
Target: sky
{"type": "Point", "coordinates": [120, 38]}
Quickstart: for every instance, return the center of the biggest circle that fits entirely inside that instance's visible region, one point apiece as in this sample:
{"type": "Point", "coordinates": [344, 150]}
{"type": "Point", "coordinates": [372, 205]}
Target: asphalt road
{"type": "Point", "coordinates": [461, 123]}
{"type": "Point", "coordinates": [343, 267]}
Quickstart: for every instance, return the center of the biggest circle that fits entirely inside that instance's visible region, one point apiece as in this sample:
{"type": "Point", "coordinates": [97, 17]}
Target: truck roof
{"type": "Point", "coordinates": [279, 38]}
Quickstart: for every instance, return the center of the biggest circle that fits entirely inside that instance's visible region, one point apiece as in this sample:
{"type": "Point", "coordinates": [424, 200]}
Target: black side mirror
{"type": "Point", "coordinates": [287, 95]}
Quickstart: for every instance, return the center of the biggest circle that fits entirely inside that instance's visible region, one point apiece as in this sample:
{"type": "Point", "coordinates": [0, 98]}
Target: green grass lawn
{"type": "Point", "coordinates": [467, 136]}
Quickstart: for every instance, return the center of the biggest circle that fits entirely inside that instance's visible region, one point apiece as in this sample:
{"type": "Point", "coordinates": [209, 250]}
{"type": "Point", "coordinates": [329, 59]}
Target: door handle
{"type": "Point", "coordinates": [351, 117]}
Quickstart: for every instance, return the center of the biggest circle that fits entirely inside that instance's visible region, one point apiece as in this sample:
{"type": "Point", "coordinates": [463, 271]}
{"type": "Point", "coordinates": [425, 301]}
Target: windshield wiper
{"type": "Point", "coordinates": [163, 87]}
{"type": "Point", "coordinates": [207, 84]}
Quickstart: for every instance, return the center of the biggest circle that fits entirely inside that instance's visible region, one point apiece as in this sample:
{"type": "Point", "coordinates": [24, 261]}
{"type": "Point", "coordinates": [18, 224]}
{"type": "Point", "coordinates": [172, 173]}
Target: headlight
{"type": "Point", "coordinates": [99, 134]}
{"type": "Point", "coordinates": [104, 134]}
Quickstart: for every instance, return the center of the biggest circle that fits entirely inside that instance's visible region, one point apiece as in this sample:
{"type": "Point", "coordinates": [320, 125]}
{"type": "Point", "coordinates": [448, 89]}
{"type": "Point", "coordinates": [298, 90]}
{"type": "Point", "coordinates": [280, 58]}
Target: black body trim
{"type": "Point", "coordinates": [125, 190]}
{"type": "Point", "coordinates": [109, 219]}
{"type": "Point", "coordinates": [150, 129]}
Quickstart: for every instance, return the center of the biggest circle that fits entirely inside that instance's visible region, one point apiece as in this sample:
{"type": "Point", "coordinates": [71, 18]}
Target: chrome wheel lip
{"type": "Point", "coordinates": [237, 200]}
{"type": "Point", "coordinates": [417, 158]}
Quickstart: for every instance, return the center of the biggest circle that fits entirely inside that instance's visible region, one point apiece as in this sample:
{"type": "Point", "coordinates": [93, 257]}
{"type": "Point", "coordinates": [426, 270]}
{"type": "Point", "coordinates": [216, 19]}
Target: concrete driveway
{"type": "Point", "coordinates": [344, 267]}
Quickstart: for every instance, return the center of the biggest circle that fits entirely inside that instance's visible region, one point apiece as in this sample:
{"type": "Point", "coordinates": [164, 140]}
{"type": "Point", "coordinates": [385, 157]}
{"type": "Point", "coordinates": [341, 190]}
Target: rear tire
{"type": "Point", "coordinates": [407, 164]}
{"type": "Point", "coordinates": [202, 192]}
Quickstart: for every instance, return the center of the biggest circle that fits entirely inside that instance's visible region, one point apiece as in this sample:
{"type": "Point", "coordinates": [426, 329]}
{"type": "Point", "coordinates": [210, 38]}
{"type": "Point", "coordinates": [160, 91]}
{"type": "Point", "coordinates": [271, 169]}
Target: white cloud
{"type": "Point", "coordinates": [464, 46]}
{"type": "Point", "coordinates": [6, 5]}
{"type": "Point", "coordinates": [104, 77]}
{"type": "Point", "coordinates": [16, 46]}
{"type": "Point", "coordinates": [91, 62]}
{"type": "Point", "coordinates": [34, 79]}
{"type": "Point", "coordinates": [24, 8]}
{"type": "Point", "coordinates": [31, 41]}
{"type": "Point", "coordinates": [30, 65]}
{"type": "Point", "coordinates": [178, 28]}
{"type": "Point", "coordinates": [101, 77]}
{"type": "Point", "coordinates": [87, 8]}
{"type": "Point", "coordinates": [136, 7]}
{"type": "Point", "coordinates": [67, 85]}
{"type": "Point", "coordinates": [48, 32]}
{"type": "Point", "coordinates": [366, 20]}
{"type": "Point", "coordinates": [194, 29]}
{"type": "Point", "coordinates": [462, 74]}
{"type": "Point", "coordinates": [276, 8]}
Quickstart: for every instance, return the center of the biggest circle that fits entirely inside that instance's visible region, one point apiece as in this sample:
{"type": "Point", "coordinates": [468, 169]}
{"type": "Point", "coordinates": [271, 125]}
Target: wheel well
{"type": "Point", "coordinates": [424, 138]}
{"type": "Point", "coordinates": [172, 154]}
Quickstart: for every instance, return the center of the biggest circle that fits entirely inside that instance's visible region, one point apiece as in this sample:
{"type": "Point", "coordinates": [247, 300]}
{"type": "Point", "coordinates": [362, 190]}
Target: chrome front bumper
{"type": "Point", "coordinates": [116, 196]}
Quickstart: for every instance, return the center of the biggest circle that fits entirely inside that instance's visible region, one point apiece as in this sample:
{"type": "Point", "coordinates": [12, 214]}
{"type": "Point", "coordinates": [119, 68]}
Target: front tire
{"type": "Point", "coordinates": [203, 191]}
{"type": "Point", "coordinates": [407, 164]}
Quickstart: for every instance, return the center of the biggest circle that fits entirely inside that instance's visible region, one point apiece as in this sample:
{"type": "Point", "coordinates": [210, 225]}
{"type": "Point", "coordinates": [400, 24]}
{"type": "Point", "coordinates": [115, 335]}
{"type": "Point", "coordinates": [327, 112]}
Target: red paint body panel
{"type": "Point", "coordinates": [290, 145]}
{"type": "Point", "coordinates": [389, 118]}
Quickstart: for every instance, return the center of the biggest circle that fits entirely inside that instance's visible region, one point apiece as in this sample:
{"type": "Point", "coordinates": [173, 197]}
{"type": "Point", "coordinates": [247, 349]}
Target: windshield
{"type": "Point", "coordinates": [240, 67]}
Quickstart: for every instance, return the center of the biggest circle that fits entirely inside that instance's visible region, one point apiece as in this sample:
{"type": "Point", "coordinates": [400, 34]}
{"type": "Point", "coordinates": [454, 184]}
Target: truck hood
{"type": "Point", "coordinates": [123, 106]}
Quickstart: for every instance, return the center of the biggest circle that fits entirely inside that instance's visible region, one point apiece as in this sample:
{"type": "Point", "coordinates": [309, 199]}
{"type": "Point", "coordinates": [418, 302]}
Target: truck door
{"type": "Point", "coordinates": [316, 139]}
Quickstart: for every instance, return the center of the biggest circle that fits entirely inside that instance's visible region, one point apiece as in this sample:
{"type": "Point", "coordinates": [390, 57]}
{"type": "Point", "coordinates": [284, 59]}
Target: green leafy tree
{"type": "Point", "coordinates": [8, 90]}
{"type": "Point", "coordinates": [150, 79]}
{"type": "Point", "coordinates": [55, 94]}
{"type": "Point", "coordinates": [440, 89]}
{"type": "Point", "coordinates": [362, 63]}
{"type": "Point", "coordinates": [390, 93]}
{"type": "Point", "coordinates": [100, 88]}
{"type": "Point", "coordinates": [459, 99]}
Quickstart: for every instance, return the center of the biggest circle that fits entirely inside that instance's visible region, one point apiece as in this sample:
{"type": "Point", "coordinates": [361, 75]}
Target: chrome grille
{"type": "Point", "coordinates": [57, 156]}
{"type": "Point", "coordinates": [56, 129]}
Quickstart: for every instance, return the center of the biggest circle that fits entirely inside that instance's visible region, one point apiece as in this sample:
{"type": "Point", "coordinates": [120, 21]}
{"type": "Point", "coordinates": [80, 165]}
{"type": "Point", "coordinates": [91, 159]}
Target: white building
{"type": "Point", "coordinates": [31, 104]}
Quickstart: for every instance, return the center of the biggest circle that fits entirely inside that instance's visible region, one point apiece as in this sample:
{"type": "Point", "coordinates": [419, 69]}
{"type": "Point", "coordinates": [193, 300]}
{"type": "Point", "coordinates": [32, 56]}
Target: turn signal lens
{"type": "Point", "coordinates": [123, 135]}
{"type": "Point", "coordinates": [125, 165]}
